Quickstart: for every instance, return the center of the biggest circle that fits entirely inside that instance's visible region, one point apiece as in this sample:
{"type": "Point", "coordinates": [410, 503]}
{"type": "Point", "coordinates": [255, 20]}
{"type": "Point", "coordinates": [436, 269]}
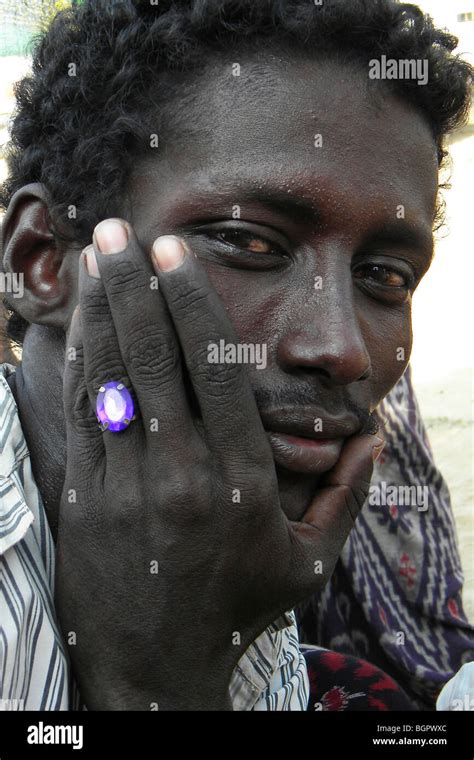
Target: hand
{"type": "Point", "coordinates": [164, 579]}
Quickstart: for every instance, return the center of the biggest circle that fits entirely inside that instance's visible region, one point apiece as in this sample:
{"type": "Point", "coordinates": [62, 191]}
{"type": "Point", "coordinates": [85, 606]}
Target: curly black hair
{"type": "Point", "coordinates": [78, 134]}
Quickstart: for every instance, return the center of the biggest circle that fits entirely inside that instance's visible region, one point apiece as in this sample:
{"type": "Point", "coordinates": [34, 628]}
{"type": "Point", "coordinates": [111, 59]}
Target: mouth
{"type": "Point", "coordinates": [309, 447]}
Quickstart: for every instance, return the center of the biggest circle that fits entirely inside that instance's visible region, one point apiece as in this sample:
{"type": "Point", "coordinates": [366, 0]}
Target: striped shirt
{"type": "Point", "coordinates": [35, 671]}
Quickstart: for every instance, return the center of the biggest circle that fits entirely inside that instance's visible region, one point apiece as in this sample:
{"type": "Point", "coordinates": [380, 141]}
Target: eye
{"type": "Point", "coordinates": [247, 241]}
{"type": "Point", "coordinates": [244, 245]}
{"type": "Point", "coordinates": [382, 275]}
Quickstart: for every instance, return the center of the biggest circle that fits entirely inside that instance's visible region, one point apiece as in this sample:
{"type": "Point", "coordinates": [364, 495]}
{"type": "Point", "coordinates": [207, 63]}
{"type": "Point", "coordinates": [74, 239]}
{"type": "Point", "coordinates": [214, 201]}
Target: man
{"type": "Point", "coordinates": [244, 307]}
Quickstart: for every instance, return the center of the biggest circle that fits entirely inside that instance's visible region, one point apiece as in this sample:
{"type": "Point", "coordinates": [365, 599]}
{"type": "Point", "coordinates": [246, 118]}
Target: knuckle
{"type": "Point", "coordinates": [361, 492]}
{"type": "Point", "coordinates": [189, 298]}
{"type": "Point", "coordinates": [354, 498]}
{"type": "Point", "coordinates": [197, 485]}
{"type": "Point", "coordinates": [124, 505]}
{"type": "Point", "coordinates": [105, 366]}
{"type": "Point", "coordinates": [125, 277]}
{"type": "Point", "coordinates": [80, 409]}
{"type": "Point", "coordinates": [186, 499]}
{"type": "Point", "coordinates": [153, 356]}
{"type": "Point", "coordinates": [217, 377]}
{"type": "Point", "coordinates": [84, 423]}
{"type": "Point", "coordinates": [94, 306]}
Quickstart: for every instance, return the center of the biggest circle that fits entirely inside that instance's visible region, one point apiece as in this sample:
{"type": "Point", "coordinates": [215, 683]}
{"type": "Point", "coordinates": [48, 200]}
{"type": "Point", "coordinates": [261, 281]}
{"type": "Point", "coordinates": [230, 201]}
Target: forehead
{"type": "Point", "coordinates": [299, 126]}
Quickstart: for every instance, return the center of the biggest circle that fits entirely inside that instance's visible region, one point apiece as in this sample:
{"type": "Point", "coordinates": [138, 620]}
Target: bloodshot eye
{"type": "Point", "coordinates": [382, 275]}
{"type": "Point", "coordinates": [246, 241]}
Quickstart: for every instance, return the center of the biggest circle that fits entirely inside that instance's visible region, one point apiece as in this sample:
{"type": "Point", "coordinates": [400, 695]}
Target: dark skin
{"type": "Point", "coordinates": [332, 354]}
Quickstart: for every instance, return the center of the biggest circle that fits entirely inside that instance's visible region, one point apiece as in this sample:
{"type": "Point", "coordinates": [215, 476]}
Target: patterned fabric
{"type": "Point", "coordinates": [33, 663]}
{"type": "Point", "coordinates": [34, 668]}
{"type": "Point", "coordinates": [272, 674]}
{"type": "Point", "coordinates": [340, 683]}
{"type": "Point", "coordinates": [395, 596]}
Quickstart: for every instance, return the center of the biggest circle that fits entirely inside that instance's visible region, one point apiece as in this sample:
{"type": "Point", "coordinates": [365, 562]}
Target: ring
{"type": "Point", "coordinates": [114, 408]}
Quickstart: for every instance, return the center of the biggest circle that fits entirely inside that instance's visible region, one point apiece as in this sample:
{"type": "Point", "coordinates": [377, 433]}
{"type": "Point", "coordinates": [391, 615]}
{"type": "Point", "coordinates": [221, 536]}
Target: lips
{"type": "Point", "coordinates": [306, 440]}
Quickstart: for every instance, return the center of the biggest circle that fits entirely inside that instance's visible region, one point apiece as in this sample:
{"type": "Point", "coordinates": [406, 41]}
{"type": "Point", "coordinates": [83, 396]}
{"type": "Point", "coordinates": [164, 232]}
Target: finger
{"type": "Point", "coordinates": [145, 335]}
{"type": "Point", "coordinates": [85, 444]}
{"type": "Point", "coordinates": [333, 511]}
{"type": "Point", "coordinates": [103, 364]}
{"type": "Point", "coordinates": [225, 396]}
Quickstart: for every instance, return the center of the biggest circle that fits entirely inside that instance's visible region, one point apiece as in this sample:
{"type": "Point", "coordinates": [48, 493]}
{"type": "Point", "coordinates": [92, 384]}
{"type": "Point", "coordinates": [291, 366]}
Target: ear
{"type": "Point", "coordinates": [39, 272]}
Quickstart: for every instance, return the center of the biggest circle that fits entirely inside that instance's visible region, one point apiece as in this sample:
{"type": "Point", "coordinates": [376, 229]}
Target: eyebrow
{"type": "Point", "coordinates": [403, 233]}
{"type": "Point", "coordinates": [296, 209]}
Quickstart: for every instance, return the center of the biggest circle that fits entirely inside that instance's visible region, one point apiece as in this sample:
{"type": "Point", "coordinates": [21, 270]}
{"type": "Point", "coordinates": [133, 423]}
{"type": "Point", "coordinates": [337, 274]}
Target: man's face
{"type": "Point", "coordinates": [310, 205]}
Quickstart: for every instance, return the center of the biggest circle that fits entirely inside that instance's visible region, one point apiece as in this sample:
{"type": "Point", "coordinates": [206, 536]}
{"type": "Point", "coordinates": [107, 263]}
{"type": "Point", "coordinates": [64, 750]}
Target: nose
{"type": "Point", "coordinates": [325, 338]}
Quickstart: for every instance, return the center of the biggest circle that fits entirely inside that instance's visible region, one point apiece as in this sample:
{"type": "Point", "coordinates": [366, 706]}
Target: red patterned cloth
{"type": "Point", "coordinates": [339, 683]}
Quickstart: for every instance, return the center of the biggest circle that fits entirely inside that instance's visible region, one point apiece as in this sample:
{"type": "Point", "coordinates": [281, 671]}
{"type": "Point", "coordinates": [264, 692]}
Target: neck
{"type": "Point", "coordinates": [39, 397]}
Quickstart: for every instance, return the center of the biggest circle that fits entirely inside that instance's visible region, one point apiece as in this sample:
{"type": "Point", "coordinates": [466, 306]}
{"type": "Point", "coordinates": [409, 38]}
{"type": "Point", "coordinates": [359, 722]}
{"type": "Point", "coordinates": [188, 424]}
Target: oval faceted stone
{"type": "Point", "coordinates": [114, 406]}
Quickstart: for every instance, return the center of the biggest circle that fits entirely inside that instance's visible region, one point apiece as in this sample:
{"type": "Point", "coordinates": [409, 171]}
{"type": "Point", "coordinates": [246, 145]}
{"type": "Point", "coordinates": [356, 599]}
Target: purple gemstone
{"type": "Point", "coordinates": [114, 406]}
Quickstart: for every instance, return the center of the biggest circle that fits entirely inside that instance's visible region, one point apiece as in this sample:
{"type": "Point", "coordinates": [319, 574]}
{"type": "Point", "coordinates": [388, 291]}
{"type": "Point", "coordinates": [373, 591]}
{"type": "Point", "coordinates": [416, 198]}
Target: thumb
{"type": "Point", "coordinates": [344, 489]}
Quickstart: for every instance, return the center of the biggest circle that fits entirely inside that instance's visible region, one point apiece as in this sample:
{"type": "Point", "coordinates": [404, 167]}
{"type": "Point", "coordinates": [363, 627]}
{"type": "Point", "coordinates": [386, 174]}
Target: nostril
{"type": "Point", "coordinates": [365, 375]}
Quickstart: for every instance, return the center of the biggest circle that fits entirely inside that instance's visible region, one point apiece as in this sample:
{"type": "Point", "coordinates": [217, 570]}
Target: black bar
{"type": "Point", "coordinates": [304, 735]}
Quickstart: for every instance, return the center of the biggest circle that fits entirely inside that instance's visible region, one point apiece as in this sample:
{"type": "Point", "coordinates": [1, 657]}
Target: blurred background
{"type": "Point", "coordinates": [442, 357]}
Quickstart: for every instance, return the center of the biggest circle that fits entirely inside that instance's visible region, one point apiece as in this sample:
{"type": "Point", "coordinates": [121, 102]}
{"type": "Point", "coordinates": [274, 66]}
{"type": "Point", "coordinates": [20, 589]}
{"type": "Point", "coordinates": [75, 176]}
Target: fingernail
{"type": "Point", "coordinates": [90, 262]}
{"type": "Point", "coordinates": [168, 253]}
{"type": "Point", "coordinates": [110, 236]}
{"type": "Point", "coordinates": [377, 448]}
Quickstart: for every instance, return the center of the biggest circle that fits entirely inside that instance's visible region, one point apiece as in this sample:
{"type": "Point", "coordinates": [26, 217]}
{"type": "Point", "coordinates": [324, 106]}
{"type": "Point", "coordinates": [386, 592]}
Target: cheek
{"type": "Point", "coordinates": [388, 337]}
{"type": "Point", "coordinates": [252, 303]}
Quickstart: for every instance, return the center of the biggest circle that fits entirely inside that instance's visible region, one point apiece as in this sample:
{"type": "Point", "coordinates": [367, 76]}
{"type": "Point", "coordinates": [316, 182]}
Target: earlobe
{"type": "Point", "coordinates": [40, 278]}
